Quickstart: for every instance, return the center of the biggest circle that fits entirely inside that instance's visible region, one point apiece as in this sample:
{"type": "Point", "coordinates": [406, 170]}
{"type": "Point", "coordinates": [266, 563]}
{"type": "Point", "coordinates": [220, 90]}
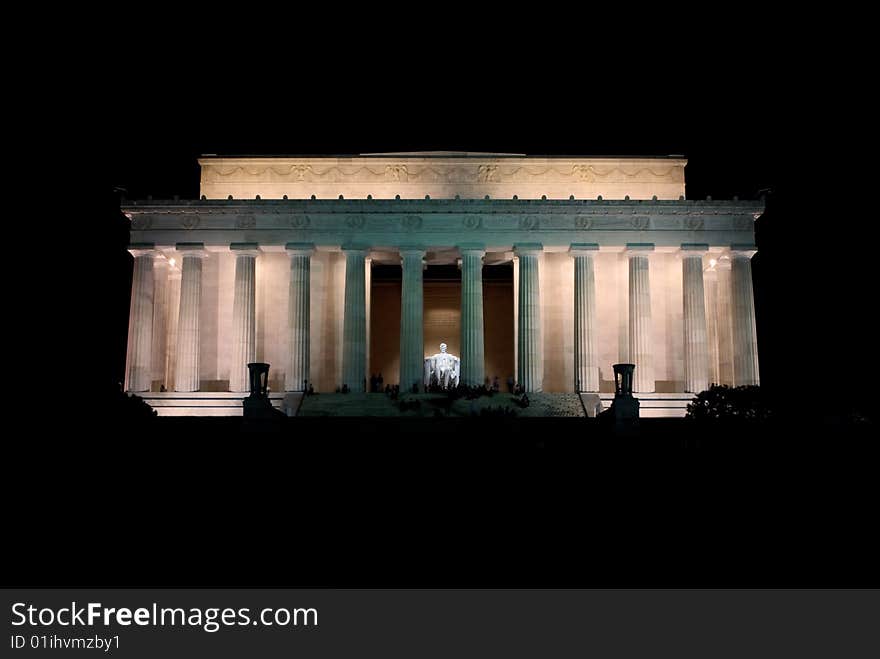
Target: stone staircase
{"type": "Point", "coordinates": [380, 405]}
{"type": "Point", "coordinates": [212, 403]}
{"type": "Point", "coordinates": [348, 405]}
{"type": "Point", "coordinates": [654, 406]}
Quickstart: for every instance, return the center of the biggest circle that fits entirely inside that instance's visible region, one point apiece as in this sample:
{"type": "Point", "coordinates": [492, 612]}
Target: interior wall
{"type": "Point", "coordinates": [498, 326]}
{"type": "Point", "coordinates": [385, 331]}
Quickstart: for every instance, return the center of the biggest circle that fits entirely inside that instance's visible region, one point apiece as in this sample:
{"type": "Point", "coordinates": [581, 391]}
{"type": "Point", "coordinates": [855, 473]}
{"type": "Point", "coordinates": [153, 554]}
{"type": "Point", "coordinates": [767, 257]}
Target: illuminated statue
{"type": "Point", "coordinates": [442, 369]}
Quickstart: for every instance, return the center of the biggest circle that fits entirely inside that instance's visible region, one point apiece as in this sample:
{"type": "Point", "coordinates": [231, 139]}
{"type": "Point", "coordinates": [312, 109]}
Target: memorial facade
{"type": "Point", "coordinates": [610, 263]}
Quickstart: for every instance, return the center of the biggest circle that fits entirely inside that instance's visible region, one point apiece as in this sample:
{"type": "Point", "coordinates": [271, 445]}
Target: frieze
{"type": "Point", "coordinates": [141, 222]}
{"type": "Point", "coordinates": [529, 223]}
{"type": "Point", "coordinates": [439, 221]}
{"type": "Point", "coordinates": [246, 222]}
{"type": "Point", "coordinates": [411, 222]}
{"type": "Point", "coordinates": [694, 223]}
{"type": "Point", "coordinates": [440, 172]}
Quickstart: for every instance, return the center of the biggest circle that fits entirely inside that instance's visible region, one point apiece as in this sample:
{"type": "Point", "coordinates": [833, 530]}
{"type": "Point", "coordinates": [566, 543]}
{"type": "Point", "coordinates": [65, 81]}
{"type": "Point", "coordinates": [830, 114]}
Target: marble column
{"type": "Point", "coordinates": [171, 323]}
{"type": "Point", "coordinates": [515, 315]}
{"type": "Point", "coordinates": [586, 359]}
{"type": "Point", "coordinates": [641, 345]}
{"type": "Point", "coordinates": [724, 313]}
{"type": "Point", "coordinates": [472, 355]}
{"type": "Point", "coordinates": [710, 279]}
{"type": "Point", "coordinates": [530, 371]}
{"type": "Point", "coordinates": [742, 298]}
{"type": "Point", "coordinates": [160, 296]}
{"type": "Point", "coordinates": [696, 347]}
{"type": "Point", "coordinates": [354, 327]}
{"type": "Point", "coordinates": [297, 375]}
{"type": "Point", "coordinates": [412, 343]}
{"type": "Point", "coordinates": [244, 315]}
{"type": "Point", "coordinates": [186, 376]}
{"type": "Point", "coordinates": [140, 341]}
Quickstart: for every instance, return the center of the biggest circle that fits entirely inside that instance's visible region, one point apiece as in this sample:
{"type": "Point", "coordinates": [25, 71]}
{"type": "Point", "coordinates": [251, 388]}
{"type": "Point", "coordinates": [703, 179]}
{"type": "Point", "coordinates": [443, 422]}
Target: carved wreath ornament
{"type": "Point", "coordinates": [355, 221]}
{"type": "Point", "coordinates": [486, 173]}
{"type": "Point", "coordinates": [246, 222]}
{"type": "Point", "coordinates": [189, 222]}
{"type": "Point", "coordinates": [583, 222]}
{"type": "Point", "coordinates": [640, 223]}
{"type": "Point", "coordinates": [299, 221]}
{"type": "Point", "coordinates": [528, 223]}
{"type": "Point", "coordinates": [471, 222]}
{"type": "Point", "coordinates": [396, 172]}
{"type": "Point", "coordinates": [694, 223]}
{"type": "Point", "coordinates": [299, 171]}
{"type": "Point", "coordinates": [584, 172]}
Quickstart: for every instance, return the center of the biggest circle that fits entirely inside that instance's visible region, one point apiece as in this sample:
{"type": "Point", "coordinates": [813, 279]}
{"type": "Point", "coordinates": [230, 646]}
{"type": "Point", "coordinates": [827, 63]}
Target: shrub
{"type": "Point", "coordinates": [721, 402]}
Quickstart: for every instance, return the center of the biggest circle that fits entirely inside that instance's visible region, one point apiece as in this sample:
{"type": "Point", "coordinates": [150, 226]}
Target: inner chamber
{"type": "Point", "coordinates": [442, 317]}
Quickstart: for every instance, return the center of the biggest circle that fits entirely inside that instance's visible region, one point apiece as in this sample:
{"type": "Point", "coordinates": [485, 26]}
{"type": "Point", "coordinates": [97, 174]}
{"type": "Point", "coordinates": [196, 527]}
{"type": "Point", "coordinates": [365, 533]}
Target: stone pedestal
{"type": "Point", "coordinates": [472, 356]}
{"type": "Point", "coordinates": [140, 343]}
{"type": "Point", "coordinates": [696, 349]}
{"type": "Point", "coordinates": [186, 377]}
{"type": "Point", "coordinates": [640, 334]}
{"type": "Point", "coordinates": [354, 332]}
{"type": "Point", "coordinates": [586, 365]}
{"type": "Point", "coordinates": [530, 369]}
{"type": "Point", "coordinates": [624, 410]}
{"type": "Point", "coordinates": [745, 342]}
{"type": "Point", "coordinates": [296, 377]}
{"type": "Point", "coordinates": [244, 319]}
{"type": "Point", "coordinates": [412, 351]}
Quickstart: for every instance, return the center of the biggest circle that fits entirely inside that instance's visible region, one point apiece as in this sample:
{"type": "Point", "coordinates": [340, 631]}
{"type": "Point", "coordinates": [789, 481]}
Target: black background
{"type": "Point", "coordinates": [751, 105]}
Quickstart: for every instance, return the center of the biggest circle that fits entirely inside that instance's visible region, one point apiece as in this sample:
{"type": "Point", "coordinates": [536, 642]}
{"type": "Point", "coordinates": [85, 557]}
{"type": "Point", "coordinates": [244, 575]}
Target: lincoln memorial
{"type": "Point", "coordinates": [543, 271]}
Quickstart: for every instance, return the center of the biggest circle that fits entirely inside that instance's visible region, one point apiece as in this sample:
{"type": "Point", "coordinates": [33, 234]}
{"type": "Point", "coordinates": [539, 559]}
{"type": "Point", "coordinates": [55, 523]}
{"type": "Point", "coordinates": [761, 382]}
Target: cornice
{"type": "Point", "coordinates": [443, 221]}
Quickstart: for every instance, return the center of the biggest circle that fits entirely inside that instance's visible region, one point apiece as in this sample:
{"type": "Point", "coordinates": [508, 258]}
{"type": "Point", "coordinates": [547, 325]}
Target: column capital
{"type": "Point", "coordinates": [639, 249]}
{"type": "Point", "coordinates": [472, 247]}
{"type": "Point", "coordinates": [356, 249]}
{"type": "Point", "coordinates": [245, 249]}
{"type": "Point", "coordinates": [192, 249]}
{"type": "Point", "coordinates": [694, 249]}
{"type": "Point", "coordinates": [299, 249]}
{"type": "Point", "coordinates": [415, 250]}
{"type": "Point", "coordinates": [142, 249]}
{"type": "Point", "coordinates": [743, 251]}
{"type": "Point", "coordinates": [583, 249]}
{"type": "Point", "coordinates": [528, 249]}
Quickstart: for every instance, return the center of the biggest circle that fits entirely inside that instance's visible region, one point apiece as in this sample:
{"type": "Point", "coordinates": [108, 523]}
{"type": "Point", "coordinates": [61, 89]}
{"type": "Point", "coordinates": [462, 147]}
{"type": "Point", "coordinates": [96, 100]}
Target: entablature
{"type": "Point", "coordinates": [393, 222]}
